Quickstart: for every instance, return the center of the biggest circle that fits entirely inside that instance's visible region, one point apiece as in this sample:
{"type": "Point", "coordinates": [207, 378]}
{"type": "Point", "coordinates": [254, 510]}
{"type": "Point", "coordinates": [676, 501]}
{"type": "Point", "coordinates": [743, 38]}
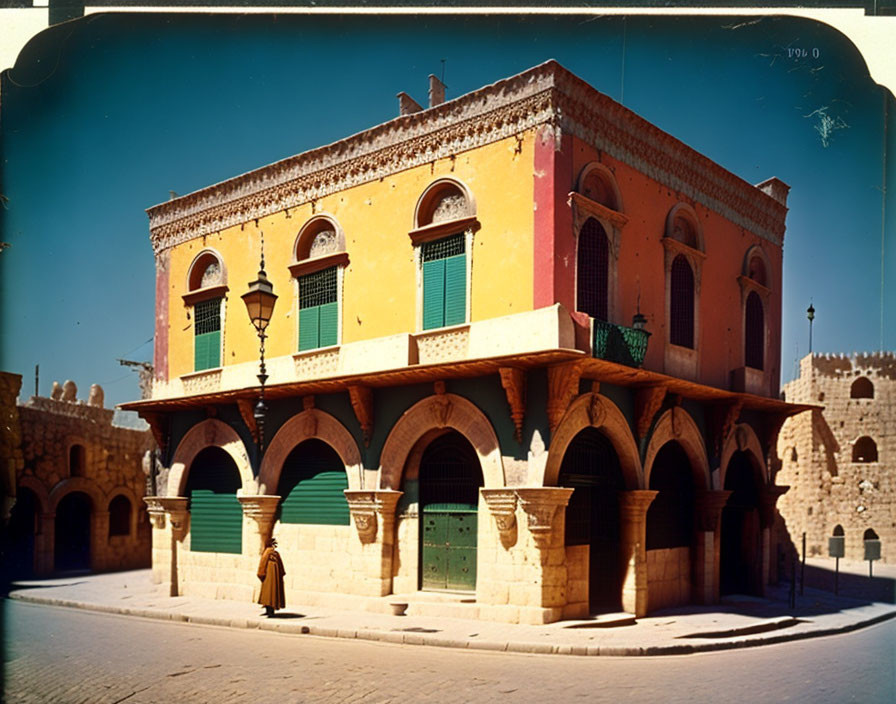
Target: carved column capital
{"type": "Point", "coordinates": [366, 505]}
{"type": "Point", "coordinates": [634, 504]}
{"type": "Point", "coordinates": [156, 512]}
{"type": "Point", "coordinates": [502, 504]}
{"type": "Point", "coordinates": [260, 508]}
{"type": "Point", "coordinates": [709, 505]}
{"type": "Point", "coordinates": [175, 509]}
{"type": "Point", "coordinates": [540, 505]}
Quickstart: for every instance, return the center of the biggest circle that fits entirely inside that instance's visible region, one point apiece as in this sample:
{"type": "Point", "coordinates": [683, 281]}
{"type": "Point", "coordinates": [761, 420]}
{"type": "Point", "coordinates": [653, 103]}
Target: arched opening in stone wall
{"type": "Point", "coordinates": [77, 461]}
{"type": "Point", "coordinates": [670, 529]}
{"type": "Point", "coordinates": [861, 388]}
{"type": "Point", "coordinates": [591, 467]}
{"type": "Point", "coordinates": [741, 539]}
{"type": "Point", "coordinates": [72, 535]}
{"type": "Point", "coordinates": [838, 531]}
{"type": "Point", "coordinates": [864, 450]}
{"type": "Point", "coordinates": [22, 528]}
{"type": "Point", "coordinates": [312, 484]}
{"type": "Point", "coordinates": [450, 478]}
{"type": "Point", "coordinates": [119, 516]}
{"type": "Point", "coordinates": [869, 535]}
{"type": "Point", "coordinates": [216, 517]}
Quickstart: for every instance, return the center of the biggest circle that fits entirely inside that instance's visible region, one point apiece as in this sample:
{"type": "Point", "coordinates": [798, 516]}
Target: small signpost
{"type": "Point", "coordinates": [837, 549]}
{"type": "Point", "coordinates": [872, 553]}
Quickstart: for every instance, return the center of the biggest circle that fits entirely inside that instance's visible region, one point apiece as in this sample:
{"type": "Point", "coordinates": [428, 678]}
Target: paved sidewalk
{"type": "Point", "coordinates": [737, 623]}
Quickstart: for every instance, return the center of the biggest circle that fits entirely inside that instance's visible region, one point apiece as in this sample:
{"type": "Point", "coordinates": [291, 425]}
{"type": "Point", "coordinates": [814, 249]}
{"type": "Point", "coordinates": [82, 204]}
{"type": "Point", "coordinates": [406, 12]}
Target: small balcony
{"type": "Point", "coordinates": [620, 344]}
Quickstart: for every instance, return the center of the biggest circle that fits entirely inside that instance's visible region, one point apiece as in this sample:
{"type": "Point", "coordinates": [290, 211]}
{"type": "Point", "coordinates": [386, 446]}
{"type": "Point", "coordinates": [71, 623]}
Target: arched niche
{"type": "Point", "coordinates": [321, 236]}
{"type": "Point", "coordinates": [597, 183]}
{"type": "Point", "coordinates": [209, 433]}
{"type": "Point", "coordinates": [444, 200]}
{"type": "Point", "coordinates": [425, 418]}
{"type": "Point", "coordinates": [206, 271]}
{"type": "Point", "coordinates": [312, 423]}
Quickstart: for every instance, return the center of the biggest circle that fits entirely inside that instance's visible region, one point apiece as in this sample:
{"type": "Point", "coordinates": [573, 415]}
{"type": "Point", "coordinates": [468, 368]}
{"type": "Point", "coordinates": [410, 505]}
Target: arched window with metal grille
{"type": "Point", "coordinates": [681, 303]}
{"type": "Point", "coordinates": [592, 270]}
{"type": "Point", "coordinates": [754, 332]}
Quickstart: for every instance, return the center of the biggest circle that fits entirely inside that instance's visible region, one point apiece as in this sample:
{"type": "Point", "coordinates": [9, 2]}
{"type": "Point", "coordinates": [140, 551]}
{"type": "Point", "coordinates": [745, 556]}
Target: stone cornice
{"type": "Point", "coordinates": [547, 94]}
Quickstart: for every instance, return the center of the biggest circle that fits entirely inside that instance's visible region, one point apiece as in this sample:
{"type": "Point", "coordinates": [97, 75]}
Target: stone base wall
{"type": "Point", "coordinates": [320, 558]}
{"type": "Point", "coordinates": [668, 578]}
{"type": "Point", "coordinates": [577, 581]}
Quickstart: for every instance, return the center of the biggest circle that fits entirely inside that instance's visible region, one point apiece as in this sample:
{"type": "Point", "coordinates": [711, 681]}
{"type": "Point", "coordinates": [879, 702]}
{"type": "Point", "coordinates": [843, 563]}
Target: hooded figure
{"type": "Point", "coordinates": [270, 572]}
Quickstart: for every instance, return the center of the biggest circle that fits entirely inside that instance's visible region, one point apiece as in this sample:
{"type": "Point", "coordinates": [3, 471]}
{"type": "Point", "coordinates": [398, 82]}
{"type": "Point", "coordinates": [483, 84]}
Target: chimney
{"type": "Point", "coordinates": [776, 188]}
{"type": "Point", "coordinates": [407, 105]}
{"type": "Point", "coordinates": [436, 91]}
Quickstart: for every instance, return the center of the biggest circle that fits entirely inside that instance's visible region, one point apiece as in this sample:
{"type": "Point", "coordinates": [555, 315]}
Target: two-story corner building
{"type": "Point", "coordinates": [524, 362]}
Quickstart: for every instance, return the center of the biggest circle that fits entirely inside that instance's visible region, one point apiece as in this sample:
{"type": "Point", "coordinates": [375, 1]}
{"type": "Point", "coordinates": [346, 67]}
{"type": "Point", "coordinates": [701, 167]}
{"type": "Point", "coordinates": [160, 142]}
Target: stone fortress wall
{"type": "Point", "coordinates": [840, 460]}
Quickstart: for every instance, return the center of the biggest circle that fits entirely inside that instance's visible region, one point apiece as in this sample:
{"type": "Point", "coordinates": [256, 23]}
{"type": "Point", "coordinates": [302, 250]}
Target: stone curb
{"type": "Point", "coordinates": [737, 640]}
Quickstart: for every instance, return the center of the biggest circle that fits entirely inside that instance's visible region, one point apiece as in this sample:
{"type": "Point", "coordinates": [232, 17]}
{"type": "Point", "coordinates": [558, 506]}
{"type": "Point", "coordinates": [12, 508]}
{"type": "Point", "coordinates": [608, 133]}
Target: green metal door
{"type": "Point", "coordinates": [449, 547]}
{"type": "Point", "coordinates": [450, 478]}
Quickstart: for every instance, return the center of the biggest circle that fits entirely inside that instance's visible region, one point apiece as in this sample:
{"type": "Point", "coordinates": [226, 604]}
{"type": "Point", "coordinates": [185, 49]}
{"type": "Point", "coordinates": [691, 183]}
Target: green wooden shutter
{"type": "Point", "coordinates": [207, 331]}
{"type": "Point", "coordinates": [216, 522]}
{"type": "Point", "coordinates": [456, 290]}
{"type": "Point", "coordinates": [309, 328]}
{"type": "Point", "coordinates": [433, 294]}
{"type": "Point", "coordinates": [312, 484]}
{"type": "Point", "coordinates": [329, 324]}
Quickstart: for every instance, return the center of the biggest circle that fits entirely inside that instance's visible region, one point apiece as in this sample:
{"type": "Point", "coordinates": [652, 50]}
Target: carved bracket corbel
{"type": "Point", "coordinates": [563, 385]}
{"type": "Point", "coordinates": [247, 412]}
{"type": "Point", "coordinates": [175, 508]}
{"type": "Point", "coordinates": [540, 505]}
{"type": "Point", "coordinates": [514, 382]}
{"type": "Point", "coordinates": [502, 504]}
{"type": "Point", "coordinates": [155, 511]}
{"type": "Point", "coordinates": [648, 400]}
{"type": "Point", "coordinates": [262, 509]}
{"type": "Point", "coordinates": [724, 416]}
{"type": "Point", "coordinates": [367, 507]}
{"type": "Point", "coordinates": [362, 404]}
{"type": "Point", "coordinates": [159, 426]}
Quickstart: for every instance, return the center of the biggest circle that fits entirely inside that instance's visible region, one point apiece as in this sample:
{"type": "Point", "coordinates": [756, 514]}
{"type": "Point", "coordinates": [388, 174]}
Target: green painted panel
{"type": "Point", "coordinates": [433, 294]}
{"type": "Point", "coordinates": [216, 522]}
{"type": "Point", "coordinates": [434, 568]}
{"type": "Point", "coordinates": [329, 324]}
{"type": "Point", "coordinates": [448, 556]}
{"type": "Point", "coordinates": [207, 350]}
{"type": "Point", "coordinates": [318, 499]}
{"type": "Point", "coordinates": [309, 328]}
{"type": "Point", "coordinates": [455, 290]}
{"type": "Point", "coordinates": [461, 571]}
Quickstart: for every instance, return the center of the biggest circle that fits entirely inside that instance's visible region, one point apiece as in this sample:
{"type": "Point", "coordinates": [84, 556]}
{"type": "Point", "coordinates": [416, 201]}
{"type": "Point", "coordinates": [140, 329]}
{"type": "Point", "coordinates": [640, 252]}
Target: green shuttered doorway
{"type": "Point", "coordinates": [312, 483]}
{"type": "Point", "coordinates": [444, 282]}
{"type": "Point", "coordinates": [450, 478]}
{"type": "Point", "coordinates": [216, 517]}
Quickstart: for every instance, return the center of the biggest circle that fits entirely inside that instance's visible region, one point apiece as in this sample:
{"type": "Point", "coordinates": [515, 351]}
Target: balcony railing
{"type": "Point", "coordinates": [620, 344]}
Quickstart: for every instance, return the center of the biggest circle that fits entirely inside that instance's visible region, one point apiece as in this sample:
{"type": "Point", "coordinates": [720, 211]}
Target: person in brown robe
{"type": "Point", "coordinates": [270, 572]}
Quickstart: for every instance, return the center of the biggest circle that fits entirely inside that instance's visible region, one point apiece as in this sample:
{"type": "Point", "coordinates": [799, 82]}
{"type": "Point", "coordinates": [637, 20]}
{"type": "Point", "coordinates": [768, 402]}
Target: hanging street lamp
{"type": "Point", "coordinates": [260, 300]}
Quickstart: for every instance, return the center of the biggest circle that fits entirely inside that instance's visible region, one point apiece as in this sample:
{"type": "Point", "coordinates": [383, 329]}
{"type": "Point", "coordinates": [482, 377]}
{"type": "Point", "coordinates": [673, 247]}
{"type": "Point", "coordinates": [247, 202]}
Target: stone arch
{"type": "Point", "coordinates": [677, 425]}
{"type": "Point", "coordinates": [320, 222]}
{"type": "Point", "coordinates": [198, 266]}
{"type": "Point", "coordinates": [596, 171]}
{"type": "Point", "coordinates": [136, 504]}
{"type": "Point", "coordinates": [682, 212]}
{"type": "Point", "coordinates": [594, 410]}
{"type": "Point", "coordinates": [39, 489]}
{"type": "Point", "coordinates": [306, 425]}
{"type": "Point", "coordinates": [85, 486]}
{"type": "Point", "coordinates": [759, 274]}
{"type": "Point", "coordinates": [209, 433]}
{"type": "Point", "coordinates": [425, 204]}
{"type": "Point", "coordinates": [743, 437]}
{"type": "Point", "coordinates": [437, 412]}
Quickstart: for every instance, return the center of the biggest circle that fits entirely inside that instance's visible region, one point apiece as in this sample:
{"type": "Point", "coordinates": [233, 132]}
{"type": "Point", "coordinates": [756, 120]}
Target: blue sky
{"type": "Point", "coordinates": [105, 115]}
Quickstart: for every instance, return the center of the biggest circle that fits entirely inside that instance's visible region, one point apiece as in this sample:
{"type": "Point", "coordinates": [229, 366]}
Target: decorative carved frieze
{"type": "Point", "coordinates": [648, 400]}
{"type": "Point", "coordinates": [205, 382]}
{"type": "Point", "coordinates": [540, 505]}
{"type": "Point", "coordinates": [563, 385]}
{"type": "Point", "coordinates": [362, 403]}
{"type": "Point", "coordinates": [310, 365]}
{"type": "Point", "coordinates": [545, 95]}
{"type": "Point", "coordinates": [514, 382]}
{"type": "Point", "coordinates": [443, 345]}
{"type": "Point", "coordinates": [502, 504]}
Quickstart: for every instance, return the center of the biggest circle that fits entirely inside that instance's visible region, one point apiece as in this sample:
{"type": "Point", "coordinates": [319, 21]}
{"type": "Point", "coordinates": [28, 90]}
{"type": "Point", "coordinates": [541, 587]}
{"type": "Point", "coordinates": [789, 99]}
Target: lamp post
{"type": "Point", "coordinates": [810, 314]}
{"type": "Point", "coordinates": [260, 300]}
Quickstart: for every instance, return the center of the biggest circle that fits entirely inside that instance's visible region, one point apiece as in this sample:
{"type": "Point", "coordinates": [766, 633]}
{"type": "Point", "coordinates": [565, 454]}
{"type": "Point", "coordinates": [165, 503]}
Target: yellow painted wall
{"type": "Point", "coordinates": [380, 284]}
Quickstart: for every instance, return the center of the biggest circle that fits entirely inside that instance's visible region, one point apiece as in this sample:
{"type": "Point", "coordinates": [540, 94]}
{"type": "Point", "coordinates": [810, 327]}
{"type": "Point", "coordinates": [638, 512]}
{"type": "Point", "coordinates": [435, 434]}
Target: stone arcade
{"type": "Point", "coordinates": [464, 409]}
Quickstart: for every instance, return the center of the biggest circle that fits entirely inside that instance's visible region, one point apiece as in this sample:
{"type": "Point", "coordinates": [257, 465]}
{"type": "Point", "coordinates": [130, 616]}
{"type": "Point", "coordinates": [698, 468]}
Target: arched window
{"type": "Point", "coordinates": [683, 231]}
{"type": "Point", "coordinates": [206, 283]}
{"type": "Point", "coordinates": [861, 388]}
{"type": "Point", "coordinates": [444, 223]}
{"type": "Point", "coordinates": [754, 332]}
{"type": "Point", "coordinates": [592, 270]}
{"type": "Point", "coordinates": [119, 516]}
{"type": "Point", "coordinates": [597, 185]}
{"type": "Point", "coordinates": [681, 312]}
{"type": "Point", "coordinates": [838, 531]}
{"type": "Point", "coordinates": [320, 261]}
{"type": "Point", "coordinates": [864, 450]}
{"type": "Point", "coordinates": [77, 461]}
{"type": "Point", "coordinates": [870, 535]}
{"type": "Point", "coordinates": [756, 270]}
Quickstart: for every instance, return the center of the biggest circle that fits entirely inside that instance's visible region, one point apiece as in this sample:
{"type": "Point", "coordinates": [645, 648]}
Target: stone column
{"type": "Point", "coordinates": [170, 522]}
{"type": "Point", "coordinates": [633, 507]}
{"type": "Point", "coordinates": [373, 512]}
{"type": "Point", "coordinates": [768, 499]}
{"type": "Point", "coordinates": [709, 505]}
{"type": "Point", "coordinates": [45, 544]}
{"type": "Point", "coordinates": [541, 573]}
{"type": "Point", "coordinates": [99, 539]}
{"type": "Point", "coordinates": [261, 509]}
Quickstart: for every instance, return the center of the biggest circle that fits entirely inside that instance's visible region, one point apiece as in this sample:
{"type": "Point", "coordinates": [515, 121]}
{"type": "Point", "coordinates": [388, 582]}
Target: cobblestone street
{"type": "Point", "coordinates": [66, 656]}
